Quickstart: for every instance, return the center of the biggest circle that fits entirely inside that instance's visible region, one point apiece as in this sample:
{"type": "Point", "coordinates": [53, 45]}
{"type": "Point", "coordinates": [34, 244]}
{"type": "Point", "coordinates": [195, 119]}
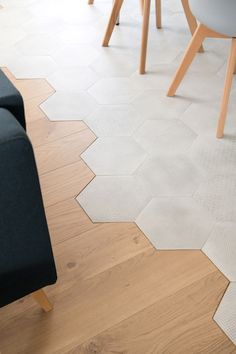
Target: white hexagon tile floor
{"type": "Point", "coordinates": [157, 161]}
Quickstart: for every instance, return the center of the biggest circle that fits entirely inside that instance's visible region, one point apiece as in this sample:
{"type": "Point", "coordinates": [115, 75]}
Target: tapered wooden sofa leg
{"type": "Point", "coordinates": [41, 298]}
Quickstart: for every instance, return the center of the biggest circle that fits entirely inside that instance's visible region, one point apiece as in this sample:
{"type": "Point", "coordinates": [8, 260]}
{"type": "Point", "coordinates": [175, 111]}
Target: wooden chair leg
{"type": "Point", "coordinates": [141, 2]}
{"type": "Point", "coordinates": [41, 298]}
{"type": "Point", "coordinates": [112, 21]}
{"type": "Point", "coordinates": [146, 15]}
{"type": "Point", "coordinates": [227, 88]}
{"type": "Point", "coordinates": [189, 55]}
{"type": "Point", "coordinates": [158, 13]}
{"type": "Point", "coordinates": [192, 22]}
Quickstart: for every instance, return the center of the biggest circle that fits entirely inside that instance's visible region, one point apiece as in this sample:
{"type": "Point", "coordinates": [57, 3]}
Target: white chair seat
{"type": "Point", "coordinates": [217, 15]}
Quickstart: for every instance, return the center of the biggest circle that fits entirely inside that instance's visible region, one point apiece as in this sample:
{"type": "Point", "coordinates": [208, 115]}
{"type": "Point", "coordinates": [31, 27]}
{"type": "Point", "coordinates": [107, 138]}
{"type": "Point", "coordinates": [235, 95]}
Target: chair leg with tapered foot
{"type": "Point", "coordinates": [192, 22]}
{"type": "Point", "coordinates": [146, 15]}
{"type": "Point", "coordinates": [41, 298]}
{"type": "Point", "coordinates": [227, 88]}
{"type": "Point", "coordinates": [189, 55]}
{"type": "Point", "coordinates": [158, 13]}
{"type": "Point", "coordinates": [112, 21]}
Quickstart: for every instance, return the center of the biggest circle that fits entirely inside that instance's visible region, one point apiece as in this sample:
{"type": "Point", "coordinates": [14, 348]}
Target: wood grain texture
{"type": "Point", "coordinates": [43, 131]}
{"type": "Point", "coordinates": [167, 326]}
{"type": "Point", "coordinates": [64, 151]}
{"type": "Point", "coordinates": [65, 182]}
{"type": "Point", "coordinates": [115, 293]}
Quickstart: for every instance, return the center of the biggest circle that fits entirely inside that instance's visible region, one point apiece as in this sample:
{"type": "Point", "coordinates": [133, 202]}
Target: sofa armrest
{"type": "Point", "coordinates": [11, 99]}
{"type": "Point", "coordinates": [26, 259]}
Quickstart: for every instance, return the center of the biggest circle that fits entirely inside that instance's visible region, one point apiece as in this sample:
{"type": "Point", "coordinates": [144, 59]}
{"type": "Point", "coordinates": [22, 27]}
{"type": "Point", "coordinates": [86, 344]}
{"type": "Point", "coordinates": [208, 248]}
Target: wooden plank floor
{"type": "Point", "coordinates": [115, 293]}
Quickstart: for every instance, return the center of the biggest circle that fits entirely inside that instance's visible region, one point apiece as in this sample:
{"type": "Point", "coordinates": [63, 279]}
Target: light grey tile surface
{"type": "Point", "coordinates": [175, 223]}
{"type": "Point", "coordinates": [114, 120]}
{"type": "Point", "coordinates": [165, 137]}
{"type": "Point", "coordinates": [215, 156]}
{"type": "Point", "coordinates": [31, 67]}
{"type": "Point", "coordinates": [115, 90]}
{"type": "Point", "coordinates": [154, 105]}
{"type": "Point", "coordinates": [221, 248]}
{"type": "Point", "coordinates": [68, 105]}
{"type": "Point", "coordinates": [113, 198]}
{"type": "Point", "coordinates": [170, 176]}
{"type": "Point", "coordinates": [225, 315]}
{"type": "Point", "coordinates": [73, 79]}
{"type": "Point", "coordinates": [218, 196]}
{"type": "Point", "coordinates": [114, 156]}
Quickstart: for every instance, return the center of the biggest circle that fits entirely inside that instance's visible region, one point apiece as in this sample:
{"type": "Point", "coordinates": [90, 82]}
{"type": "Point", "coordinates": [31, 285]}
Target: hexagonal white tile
{"type": "Point", "coordinates": [110, 64]}
{"type": "Point", "coordinates": [221, 249]}
{"type": "Point", "coordinates": [209, 63]}
{"type": "Point", "coordinates": [38, 44]}
{"type": "Point", "coordinates": [203, 118]}
{"type": "Point", "coordinates": [71, 55]}
{"type": "Point", "coordinates": [114, 120]}
{"type": "Point", "coordinates": [43, 25]}
{"type": "Point", "coordinates": [77, 34]}
{"type": "Point", "coordinates": [29, 67]}
{"type": "Point", "coordinates": [166, 176]}
{"type": "Point", "coordinates": [115, 199]}
{"type": "Point", "coordinates": [10, 36]}
{"type": "Point", "coordinates": [164, 136]}
{"type": "Point", "coordinates": [68, 106]}
{"type": "Point", "coordinates": [175, 223]}
{"type": "Point", "coordinates": [13, 17]}
{"type": "Point", "coordinates": [114, 156]}
{"type": "Point", "coordinates": [199, 88]}
{"type": "Point", "coordinates": [73, 79]}
{"type": "Point", "coordinates": [225, 315]}
{"type": "Point", "coordinates": [154, 105]}
{"type": "Point", "coordinates": [115, 90]}
{"type": "Point", "coordinates": [218, 196]}
{"type": "Point", "coordinates": [215, 156]}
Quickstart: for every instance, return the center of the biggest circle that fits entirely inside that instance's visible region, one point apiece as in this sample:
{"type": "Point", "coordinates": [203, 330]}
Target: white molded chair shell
{"type": "Point", "coordinates": [217, 15]}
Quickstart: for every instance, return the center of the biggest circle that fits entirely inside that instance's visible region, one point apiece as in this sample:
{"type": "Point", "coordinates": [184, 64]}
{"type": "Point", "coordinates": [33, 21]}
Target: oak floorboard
{"type": "Point", "coordinates": [89, 307]}
{"type": "Point", "coordinates": [66, 220]}
{"type": "Point", "coordinates": [43, 131]}
{"type": "Point", "coordinates": [64, 182]}
{"type": "Point", "coordinates": [62, 152]}
{"type": "Point", "coordinates": [99, 249]}
{"type": "Point", "coordinates": [172, 325]}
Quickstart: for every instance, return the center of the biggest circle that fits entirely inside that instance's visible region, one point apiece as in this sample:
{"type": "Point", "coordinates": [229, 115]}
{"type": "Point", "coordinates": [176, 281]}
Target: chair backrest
{"type": "Point", "coordinates": [218, 15]}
